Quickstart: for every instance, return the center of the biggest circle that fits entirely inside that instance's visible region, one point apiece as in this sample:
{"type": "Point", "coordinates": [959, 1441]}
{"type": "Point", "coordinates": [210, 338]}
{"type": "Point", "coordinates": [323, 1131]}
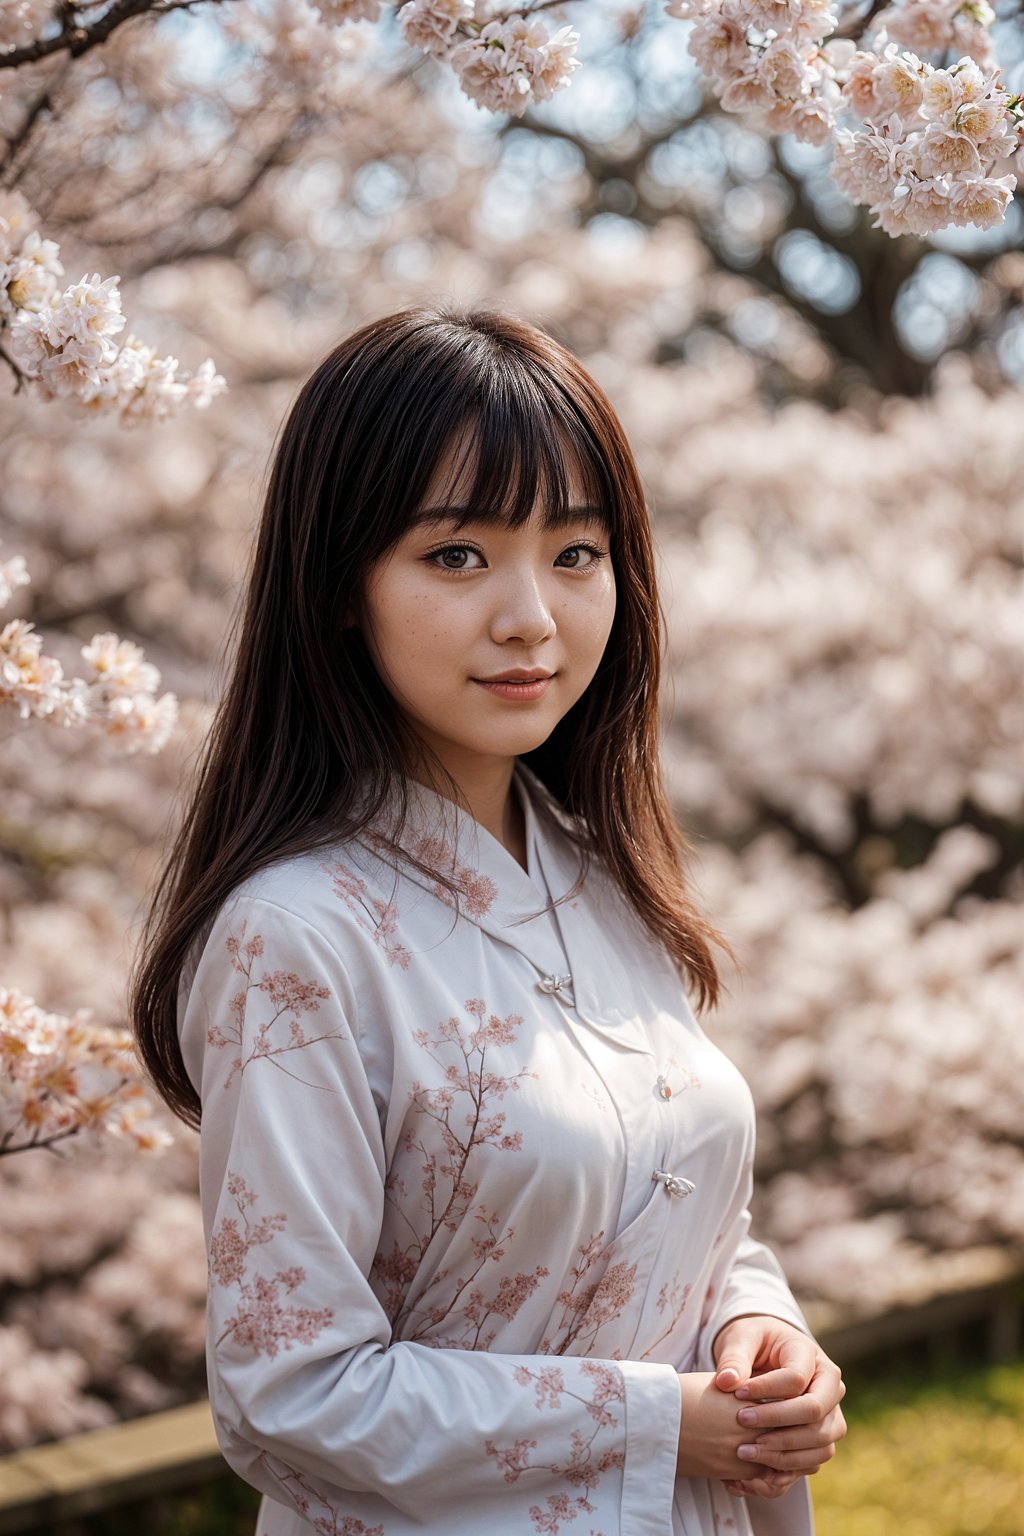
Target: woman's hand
{"type": "Point", "coordinates": [789, 1392]}
{"type": "Point", "coordinates": [709, 1434]}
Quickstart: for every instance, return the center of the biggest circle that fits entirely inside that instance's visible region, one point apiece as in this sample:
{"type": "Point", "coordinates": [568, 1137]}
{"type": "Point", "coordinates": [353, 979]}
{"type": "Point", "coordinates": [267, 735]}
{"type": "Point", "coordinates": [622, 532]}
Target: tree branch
{"type": "Point", "coordinates": [76, 40]}
{"type": "Point", "coordinates": [43, 103]}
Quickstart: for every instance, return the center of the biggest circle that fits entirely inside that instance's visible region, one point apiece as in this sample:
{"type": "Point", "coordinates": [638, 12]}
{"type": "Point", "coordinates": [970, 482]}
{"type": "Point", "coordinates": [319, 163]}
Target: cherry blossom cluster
{"type": "Point", "coordinates": [767, 57]}
{"type": "Point", "coordinates": [502, 65]}
{"type": "Point", "coordinates": [63, 1075]}
{"type": "Point", "coordinates": [937, 144]}
{"type": "Point", "coordinates": [933, 145]}
{"type": "Point", "coordinates": [117, 697]}
{"type": "Point", "coordinates": [62, 339]}
{"type": "Point", "coordinates": [939, 27]}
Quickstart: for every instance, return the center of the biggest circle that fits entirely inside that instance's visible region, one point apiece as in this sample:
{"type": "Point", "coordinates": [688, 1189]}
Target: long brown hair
{"type": "Point", "coordinates": [306, 743]}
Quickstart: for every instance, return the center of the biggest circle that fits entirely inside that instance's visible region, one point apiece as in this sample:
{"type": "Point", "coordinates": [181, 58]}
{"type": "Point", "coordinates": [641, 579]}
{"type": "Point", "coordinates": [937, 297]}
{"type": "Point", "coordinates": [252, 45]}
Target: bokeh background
{"type": "Point", "coordinates": [830, 426]}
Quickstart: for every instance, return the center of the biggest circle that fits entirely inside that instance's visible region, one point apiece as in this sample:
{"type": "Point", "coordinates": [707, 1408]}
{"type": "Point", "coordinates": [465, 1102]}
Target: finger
{"type": "Point", "coordinates": [825, 1393]}
{"type": "Point", "coordinates": [729, 1375]}
{"type": "Point", "coordinates": [786, 1381]}
{"type": "Point", "coordinates": [789, 1411]}
{"type": "Point", "coordinates": [779, 1481]}
{"type": "Point", "coordinates": [738, 1357]}
{"type": "Point", "coordinates": [766, 1477]}
{"type": "Point", "coordinates": [804, 1461]}
{"type": "Point", "coordinates": [827, 1383]}
{"type": "Point", "coordinates": [831, 1429]}
{"type": "Point", "coordinates": [767, 1485]}
{"type": "Point", "coordinates": [797, 1360]}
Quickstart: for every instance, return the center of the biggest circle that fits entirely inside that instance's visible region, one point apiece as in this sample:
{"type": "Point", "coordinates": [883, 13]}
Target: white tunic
{"type": "Point", "coordinates": [446, 1164]}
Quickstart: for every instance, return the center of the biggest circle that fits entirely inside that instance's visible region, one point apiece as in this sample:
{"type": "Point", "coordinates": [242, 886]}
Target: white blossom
{"type": "Point", "coordinates": [13, 573]}
{"type": "Point", "coordinates": [28, 274]}
{"type": "Point", "coordinates": [433, 24]}
{"type": "Point", "coordinates": [982, 202]}
{"type": "Point", "coordinates": [63, 1075]}
{"type": "Point", "coordinates": [63, 341]}
{"type": "Point", "coordinates": [868, 165]}
{"type": "Point", "coordinates": [769, 59]}
{"type": "Point", "coordinates": [28, 679]}
{"type": "Point", "coordinates": [117, 698]}
{"type": "Point", "coordinates": [940, 26]}
{"type": "Point", "coordinates": [514, 62]}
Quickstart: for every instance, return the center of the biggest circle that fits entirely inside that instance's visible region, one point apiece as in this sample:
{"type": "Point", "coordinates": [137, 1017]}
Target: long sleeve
{"type": "Point", "coordinates": [313, 1401]}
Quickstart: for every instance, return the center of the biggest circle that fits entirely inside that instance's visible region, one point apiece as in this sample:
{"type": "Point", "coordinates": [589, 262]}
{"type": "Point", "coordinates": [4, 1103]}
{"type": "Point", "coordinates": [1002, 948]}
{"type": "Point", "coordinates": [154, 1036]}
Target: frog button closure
{"type": "Point", "coordinates": [554, 984]}
{"type": "Point", "coordinates": [674, 1183]}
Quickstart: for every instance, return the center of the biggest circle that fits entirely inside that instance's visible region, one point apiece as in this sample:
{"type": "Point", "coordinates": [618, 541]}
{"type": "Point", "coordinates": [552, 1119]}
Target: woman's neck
{"type": "Point", "coordinates": [487, 792]}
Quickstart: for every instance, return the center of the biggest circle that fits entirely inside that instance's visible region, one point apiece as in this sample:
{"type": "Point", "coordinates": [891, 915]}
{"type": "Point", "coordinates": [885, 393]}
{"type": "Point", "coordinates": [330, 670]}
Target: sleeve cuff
{"type": "Point", "coordinates": [653, 1412]}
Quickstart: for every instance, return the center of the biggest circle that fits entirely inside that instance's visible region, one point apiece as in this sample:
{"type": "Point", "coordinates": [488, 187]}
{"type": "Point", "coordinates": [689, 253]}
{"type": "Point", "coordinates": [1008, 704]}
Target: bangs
{"type": "Point", "coordinates": [518, 447]}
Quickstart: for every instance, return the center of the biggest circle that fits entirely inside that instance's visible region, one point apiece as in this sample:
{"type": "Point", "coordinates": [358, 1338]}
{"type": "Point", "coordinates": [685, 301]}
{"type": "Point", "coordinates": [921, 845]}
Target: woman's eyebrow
{"type": "Point", "coordinates": [457, 514]}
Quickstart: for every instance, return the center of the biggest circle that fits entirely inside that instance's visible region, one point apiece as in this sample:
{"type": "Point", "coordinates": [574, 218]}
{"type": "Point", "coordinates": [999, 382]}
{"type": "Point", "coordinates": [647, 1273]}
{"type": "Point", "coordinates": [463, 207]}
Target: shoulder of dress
{"type": "Point", "coordinates": [328, 888]}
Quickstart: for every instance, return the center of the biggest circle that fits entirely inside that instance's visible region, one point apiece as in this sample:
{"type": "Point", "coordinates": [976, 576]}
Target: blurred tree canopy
{"type": "Point", "coordinates": [828, 425]}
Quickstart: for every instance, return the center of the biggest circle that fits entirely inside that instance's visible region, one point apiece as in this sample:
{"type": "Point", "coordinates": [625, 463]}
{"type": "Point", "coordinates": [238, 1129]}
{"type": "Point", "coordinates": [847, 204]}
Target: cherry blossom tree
{"type": "Point", "coordinates": [924, 143]}
{"type": "Point", "coordinates": [827, 423]}
{"type": "Point", "coordinates": [61, 1076]}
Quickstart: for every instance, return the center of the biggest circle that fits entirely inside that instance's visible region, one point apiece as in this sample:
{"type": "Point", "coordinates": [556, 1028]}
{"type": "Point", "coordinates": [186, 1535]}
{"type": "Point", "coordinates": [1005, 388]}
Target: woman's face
{"type": "Point", "coordinates": [487, 636]}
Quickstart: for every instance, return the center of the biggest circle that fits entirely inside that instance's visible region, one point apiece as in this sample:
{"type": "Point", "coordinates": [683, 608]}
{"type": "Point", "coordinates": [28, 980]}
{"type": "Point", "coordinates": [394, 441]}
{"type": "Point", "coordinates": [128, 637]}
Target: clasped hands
{"type": "Point", "coordinates": [767, 1416]}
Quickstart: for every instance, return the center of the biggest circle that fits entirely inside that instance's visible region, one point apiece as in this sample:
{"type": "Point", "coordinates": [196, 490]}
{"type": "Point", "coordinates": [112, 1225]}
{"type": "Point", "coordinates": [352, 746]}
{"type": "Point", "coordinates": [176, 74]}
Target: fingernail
{"type": "Point", "coordinates": [748, 1452]}
{"type": "Point", "coordinates": [742, 1392]}
{"type": "Point", "coordinates": [729, 1374]}
{"type": "Point", "coordinates": [747, 1416]}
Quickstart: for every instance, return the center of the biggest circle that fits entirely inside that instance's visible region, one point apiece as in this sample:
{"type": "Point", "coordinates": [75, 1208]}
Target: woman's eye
{"type": "Point", "coordinates": [580, 557]}
{"type": "Point", "coordinates": [455, 557]}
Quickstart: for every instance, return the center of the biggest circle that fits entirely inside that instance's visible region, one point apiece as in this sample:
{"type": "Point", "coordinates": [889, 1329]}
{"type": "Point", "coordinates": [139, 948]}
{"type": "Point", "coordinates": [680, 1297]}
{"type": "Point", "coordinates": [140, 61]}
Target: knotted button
{"type": "Point", "coordinates": [554, 984]}
{"type": "Point", "coordinates": [674, 1183]}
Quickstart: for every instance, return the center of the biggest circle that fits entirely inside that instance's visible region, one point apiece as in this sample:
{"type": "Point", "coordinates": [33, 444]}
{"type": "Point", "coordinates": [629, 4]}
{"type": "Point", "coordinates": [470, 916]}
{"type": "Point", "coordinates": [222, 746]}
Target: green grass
{"type": "Point", "coordinates": [939, 1458]}
{"type": "Point", "coordinates": [924, 1457]}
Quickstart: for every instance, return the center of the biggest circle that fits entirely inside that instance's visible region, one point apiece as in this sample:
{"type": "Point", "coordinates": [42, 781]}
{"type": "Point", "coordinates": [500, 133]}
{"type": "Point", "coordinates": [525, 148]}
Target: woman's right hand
{"type": "Point", "coordinates": [709, 1434]}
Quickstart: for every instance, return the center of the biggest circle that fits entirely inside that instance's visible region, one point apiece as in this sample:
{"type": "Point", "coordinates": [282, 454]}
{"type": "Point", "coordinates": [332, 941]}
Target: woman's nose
{"type": "Point", "coordinates": [523, 612]}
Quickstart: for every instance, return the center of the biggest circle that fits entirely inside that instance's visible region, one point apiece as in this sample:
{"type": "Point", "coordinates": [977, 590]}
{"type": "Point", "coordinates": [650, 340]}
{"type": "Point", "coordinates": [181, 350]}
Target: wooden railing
{"type": "Point", "coordinates": [164, 1452]}
{"type": "Point", "coordinates": [143, 1458]}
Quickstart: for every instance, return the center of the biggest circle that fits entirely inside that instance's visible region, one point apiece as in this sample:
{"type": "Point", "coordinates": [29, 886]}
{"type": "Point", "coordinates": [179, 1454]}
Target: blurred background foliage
{"type": "Point", "coordinates": [828, 424]}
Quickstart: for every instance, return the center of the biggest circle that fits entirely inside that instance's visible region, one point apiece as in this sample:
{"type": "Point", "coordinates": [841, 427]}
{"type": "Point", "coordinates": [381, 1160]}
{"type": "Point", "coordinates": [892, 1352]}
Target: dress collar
{"type": "Point", "coordinates": [494, 889]}
{"type": "Point", "coordinates": [511, 904]}
{"type": "Point", "coordinates": [535, 910]}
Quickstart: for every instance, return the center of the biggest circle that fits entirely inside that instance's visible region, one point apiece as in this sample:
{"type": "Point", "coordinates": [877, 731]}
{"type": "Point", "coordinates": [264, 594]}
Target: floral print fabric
{"type": "Point", "coordinates": [475, 1188]}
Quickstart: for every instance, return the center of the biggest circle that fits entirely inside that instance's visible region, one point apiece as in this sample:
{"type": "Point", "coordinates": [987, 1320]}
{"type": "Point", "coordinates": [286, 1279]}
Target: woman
{"type": "Point", "coordinates": [475, 1182]}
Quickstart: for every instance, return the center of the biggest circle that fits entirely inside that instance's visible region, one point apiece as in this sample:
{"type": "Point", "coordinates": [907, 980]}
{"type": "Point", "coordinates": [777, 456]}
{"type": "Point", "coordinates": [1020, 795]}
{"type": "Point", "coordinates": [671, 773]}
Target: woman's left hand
{"type": "Point", "coordinates": [789, 1393]}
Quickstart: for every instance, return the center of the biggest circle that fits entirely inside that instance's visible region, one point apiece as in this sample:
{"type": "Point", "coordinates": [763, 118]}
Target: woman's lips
{"type": "Point", "coordinates": [521, 691]}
